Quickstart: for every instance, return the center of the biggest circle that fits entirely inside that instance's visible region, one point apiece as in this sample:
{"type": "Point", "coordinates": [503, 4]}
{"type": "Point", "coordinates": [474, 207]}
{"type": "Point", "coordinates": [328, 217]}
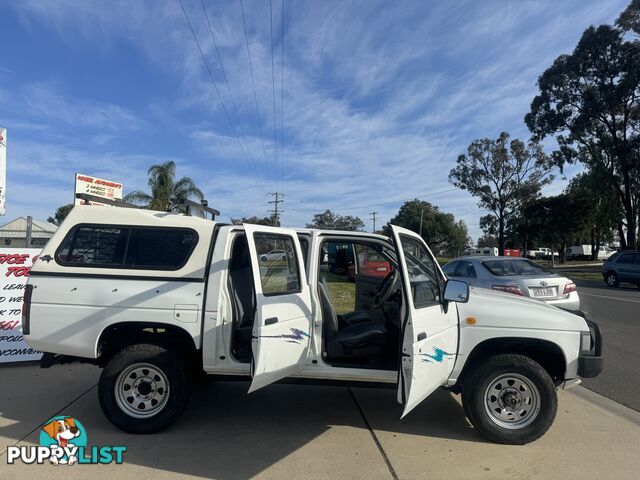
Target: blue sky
{"type": "Point", "coordinates": [379, 97]}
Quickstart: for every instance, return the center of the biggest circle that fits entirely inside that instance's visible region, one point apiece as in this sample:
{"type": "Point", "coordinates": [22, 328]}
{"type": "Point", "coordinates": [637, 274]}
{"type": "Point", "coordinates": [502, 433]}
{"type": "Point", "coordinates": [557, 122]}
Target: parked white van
{"type": "Point", "coordinates": [155, 298]}
{"type": "Point", "coordinates": [584, 252]}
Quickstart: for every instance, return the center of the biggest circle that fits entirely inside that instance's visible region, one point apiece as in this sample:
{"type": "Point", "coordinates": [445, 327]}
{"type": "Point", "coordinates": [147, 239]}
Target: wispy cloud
{"type": "Point", "coordinates": [42, 101]}
{"type": "Point", "coordinates": [379, 97]}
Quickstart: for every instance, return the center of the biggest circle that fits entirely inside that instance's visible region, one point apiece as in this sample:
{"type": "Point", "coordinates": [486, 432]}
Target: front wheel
{"type": "Point", "coordinates": [144, 388]}
{"type": "Point", "coordinates": [510, 399]}
{"type": "Point", "coordinates": [612, 279]}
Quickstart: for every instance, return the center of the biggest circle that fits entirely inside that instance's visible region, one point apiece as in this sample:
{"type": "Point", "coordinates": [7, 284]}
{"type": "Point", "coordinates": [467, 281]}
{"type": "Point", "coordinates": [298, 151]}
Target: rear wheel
{"type": "Point", "coordinates": [510, 399]}
{"type": "Point", "coordinates": [144, 388]}
{"type": "Point", "coordinates": [612, 279]}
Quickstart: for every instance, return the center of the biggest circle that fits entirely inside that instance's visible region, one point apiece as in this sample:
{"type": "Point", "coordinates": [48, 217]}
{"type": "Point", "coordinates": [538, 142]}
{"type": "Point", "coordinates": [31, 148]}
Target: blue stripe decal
{"type": "Point", "coordinates": [438, 355]}
{"type": "Point", "coordinates": [296, 336]}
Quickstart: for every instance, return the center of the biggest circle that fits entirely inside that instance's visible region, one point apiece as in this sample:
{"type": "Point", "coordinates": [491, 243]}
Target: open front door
{"type": "Point", "coordinates": [281, 331]}
{"type": "Point", "coordinates": [430, 329]}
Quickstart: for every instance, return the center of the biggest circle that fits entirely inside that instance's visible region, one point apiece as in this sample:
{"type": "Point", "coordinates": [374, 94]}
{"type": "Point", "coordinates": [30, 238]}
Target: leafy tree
{"type": "Point", "coordinates": [489, 225]}
{"type": "Point", "coordinates": [269, 221]}
{"type": "Point", "coordinates": [61, 214]}
{"type": "Point", "coordinates": [590, 101]}
{"type": "Point", "coordinates": [487, 241]}
{"type": "Point", "coordinates": [629, 20]}
{"type": "Point", "coordinates": [167, 194]}
{"type": "Point", "coordinates": [328, 220]}
{"type": "Point", "coordinates": [604, 210]}
{"type": "Point", "coordinates": [439, 230]}
{"type": "Point", "coordinates": [557, 220]}
{"type": "Point", "coordinates": [504, 176]}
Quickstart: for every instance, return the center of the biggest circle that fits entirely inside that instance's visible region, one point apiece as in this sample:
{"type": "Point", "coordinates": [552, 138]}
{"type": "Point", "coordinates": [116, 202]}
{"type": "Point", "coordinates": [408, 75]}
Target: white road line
{"type": "Point", "coordinates": [612, 298]}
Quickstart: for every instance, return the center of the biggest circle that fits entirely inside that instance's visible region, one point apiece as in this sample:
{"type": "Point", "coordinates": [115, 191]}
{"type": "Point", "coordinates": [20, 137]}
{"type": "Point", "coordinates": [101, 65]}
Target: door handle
{"type": "Point", "coordinates": [422, 336]}
{"type": "Point", "coordinates": [271, 321]}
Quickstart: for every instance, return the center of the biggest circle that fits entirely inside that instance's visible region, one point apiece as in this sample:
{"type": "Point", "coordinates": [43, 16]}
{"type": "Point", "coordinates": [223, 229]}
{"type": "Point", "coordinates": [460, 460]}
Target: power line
{"type": "Point", "coordinates": [255, 95]}
{"type": "Point", "coordinates": [276, 210]}
{"type": "Point", "coordinates": [380, 204]}
{"type": "Point", "coordinates": [226, 81]}
{"type": "Point", "coordinates": [273, 83]}
{"type": "Point", "coordinates": [215, 86]}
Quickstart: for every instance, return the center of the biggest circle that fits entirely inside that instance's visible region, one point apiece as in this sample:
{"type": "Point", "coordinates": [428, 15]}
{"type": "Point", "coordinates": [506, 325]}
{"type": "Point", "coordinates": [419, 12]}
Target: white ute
{"type": "Point", "coordinates": [155, 298]}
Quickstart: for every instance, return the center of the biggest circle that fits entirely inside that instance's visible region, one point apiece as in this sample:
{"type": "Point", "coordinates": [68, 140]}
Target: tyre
{"type": "Point", "coordinates": [612, 279]}
{"type": "Point", "coordinates": [510, 399]}
{"type": "Point", "coordinates": [144, 388]}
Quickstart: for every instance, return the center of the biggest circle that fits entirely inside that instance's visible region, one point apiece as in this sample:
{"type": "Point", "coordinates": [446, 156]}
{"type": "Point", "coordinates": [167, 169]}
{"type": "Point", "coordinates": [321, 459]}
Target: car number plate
{"type": "Point", "coordinates": [543, 292]}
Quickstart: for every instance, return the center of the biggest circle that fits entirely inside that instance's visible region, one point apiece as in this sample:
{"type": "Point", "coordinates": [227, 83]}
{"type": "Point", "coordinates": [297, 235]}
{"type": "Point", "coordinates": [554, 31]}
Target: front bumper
{"type": "Point", "coordinates": [591, 363]}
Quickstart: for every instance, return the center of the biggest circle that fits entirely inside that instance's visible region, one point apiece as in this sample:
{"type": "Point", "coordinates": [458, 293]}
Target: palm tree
{"type": "Point", "coordinates": [167, 194]}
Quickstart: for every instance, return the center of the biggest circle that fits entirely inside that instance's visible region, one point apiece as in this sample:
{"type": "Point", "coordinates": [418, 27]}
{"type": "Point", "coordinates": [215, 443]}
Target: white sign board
{"type": "Point", "coordinates": [15, 264]}
{"type": "Point", "coordinates": [98, 187]}
{"type": "Point", "coordinates": [3, 169]}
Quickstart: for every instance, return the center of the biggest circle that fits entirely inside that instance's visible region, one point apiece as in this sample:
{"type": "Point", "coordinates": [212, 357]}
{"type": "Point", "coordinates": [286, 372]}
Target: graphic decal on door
{"type": "Point", "coordinates": [438, 355]}
{"type": "Point", "coordinates": [296, 336]}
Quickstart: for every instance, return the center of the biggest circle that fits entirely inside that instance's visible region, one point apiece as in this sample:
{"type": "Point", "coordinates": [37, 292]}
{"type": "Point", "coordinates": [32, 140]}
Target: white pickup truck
{"type": "Point", "coordinates": [155, 298]}
{"type": "Point", "coordinates": [541, 253]}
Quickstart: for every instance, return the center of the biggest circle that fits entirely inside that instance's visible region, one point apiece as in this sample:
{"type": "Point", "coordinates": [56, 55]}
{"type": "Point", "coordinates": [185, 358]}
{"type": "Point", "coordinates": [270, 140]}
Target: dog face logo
{"type": "Point", "coordinates": [62, 435]}
{"type": "Point", "coordinates": [62, 430]}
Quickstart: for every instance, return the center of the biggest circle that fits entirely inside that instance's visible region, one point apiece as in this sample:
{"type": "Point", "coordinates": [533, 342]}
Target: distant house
{"type": "Point", "coordinates": [14, 233]}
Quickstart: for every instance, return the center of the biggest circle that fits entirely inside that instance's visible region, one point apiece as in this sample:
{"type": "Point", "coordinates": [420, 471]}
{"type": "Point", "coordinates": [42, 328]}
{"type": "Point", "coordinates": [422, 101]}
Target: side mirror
{"type": "Point", "coordinates": [456, 291]}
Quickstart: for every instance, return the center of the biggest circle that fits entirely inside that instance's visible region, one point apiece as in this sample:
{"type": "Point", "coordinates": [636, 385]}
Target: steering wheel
{"type": "Point", "coordinates": [388, 287]}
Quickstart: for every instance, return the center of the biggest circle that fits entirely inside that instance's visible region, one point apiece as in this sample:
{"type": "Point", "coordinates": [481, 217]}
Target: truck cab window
{"type": "Point", "coordinates": [279, 269]}
{"type": "Point", "coordinates": [304, 246]}
{"type": "Point", "coordinates": [423, 273]}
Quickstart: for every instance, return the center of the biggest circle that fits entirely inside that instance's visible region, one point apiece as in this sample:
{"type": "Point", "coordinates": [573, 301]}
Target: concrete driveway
{"type": "Point", "coordinates": [287, 431]}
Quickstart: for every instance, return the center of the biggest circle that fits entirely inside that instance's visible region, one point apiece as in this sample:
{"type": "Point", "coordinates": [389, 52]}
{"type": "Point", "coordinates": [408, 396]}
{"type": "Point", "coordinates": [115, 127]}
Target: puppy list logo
{"type": "Point", "coordinates": [63, 441]}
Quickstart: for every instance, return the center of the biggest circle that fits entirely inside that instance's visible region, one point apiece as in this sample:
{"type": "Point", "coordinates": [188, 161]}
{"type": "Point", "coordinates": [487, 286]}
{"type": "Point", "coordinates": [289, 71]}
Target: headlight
{"type": "Point", "coordinates": [586, 342]}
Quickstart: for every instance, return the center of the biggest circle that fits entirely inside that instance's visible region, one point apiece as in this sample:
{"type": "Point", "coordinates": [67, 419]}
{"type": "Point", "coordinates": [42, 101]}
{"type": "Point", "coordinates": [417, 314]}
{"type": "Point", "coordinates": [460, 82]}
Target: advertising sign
{"type": "Point", "coordinates": [15, 264]}
{"type": "Point", "coordinates": [3, 169]}
{"type": "Point", "coordinates": [98, 187]}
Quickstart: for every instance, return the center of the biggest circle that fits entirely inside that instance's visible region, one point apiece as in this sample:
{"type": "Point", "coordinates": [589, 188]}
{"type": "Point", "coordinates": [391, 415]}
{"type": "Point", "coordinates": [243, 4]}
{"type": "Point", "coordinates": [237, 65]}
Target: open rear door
{"type": "Point", "coordinates": [430, 329]}
{"type": "Point", "coordinates": [281, 331]}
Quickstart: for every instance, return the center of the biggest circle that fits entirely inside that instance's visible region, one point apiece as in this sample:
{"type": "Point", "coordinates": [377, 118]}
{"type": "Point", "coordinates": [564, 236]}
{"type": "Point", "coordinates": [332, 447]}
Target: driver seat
{"type": "Point", "coordinates": [357, 341]}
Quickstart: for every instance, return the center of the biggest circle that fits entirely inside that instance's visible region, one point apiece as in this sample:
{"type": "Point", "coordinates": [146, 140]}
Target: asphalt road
{"type": "Point", "coordinates": [617, 312]}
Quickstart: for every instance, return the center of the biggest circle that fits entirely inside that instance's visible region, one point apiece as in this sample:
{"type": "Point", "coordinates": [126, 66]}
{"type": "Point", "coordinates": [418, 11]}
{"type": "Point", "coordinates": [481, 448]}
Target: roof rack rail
{"type": "Point", "coordinates": [106, 201]}
{"type": "Point", "coordinates": [191, 205]}
{"type": "Point", "coordinates": [203, 207]}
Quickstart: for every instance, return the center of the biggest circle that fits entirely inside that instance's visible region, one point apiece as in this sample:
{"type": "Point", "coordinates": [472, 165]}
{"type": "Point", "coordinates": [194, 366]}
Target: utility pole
{"type": "Point", "coordinates": [276, 209]}
{"type": "Point", "coordinates": [421, 215]}
{"type": "Point", "coordinates": [373, 217]}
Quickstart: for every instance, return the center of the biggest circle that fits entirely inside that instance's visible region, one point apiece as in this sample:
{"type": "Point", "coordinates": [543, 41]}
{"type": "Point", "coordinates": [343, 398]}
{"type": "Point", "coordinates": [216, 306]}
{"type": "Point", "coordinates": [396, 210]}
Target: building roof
{"type": "Point", "coordinates": [17, 228]}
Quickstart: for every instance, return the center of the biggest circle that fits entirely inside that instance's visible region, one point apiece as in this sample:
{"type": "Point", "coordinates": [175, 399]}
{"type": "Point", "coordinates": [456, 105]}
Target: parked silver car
{"type": "Point", "coordinates": [515, 275]}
